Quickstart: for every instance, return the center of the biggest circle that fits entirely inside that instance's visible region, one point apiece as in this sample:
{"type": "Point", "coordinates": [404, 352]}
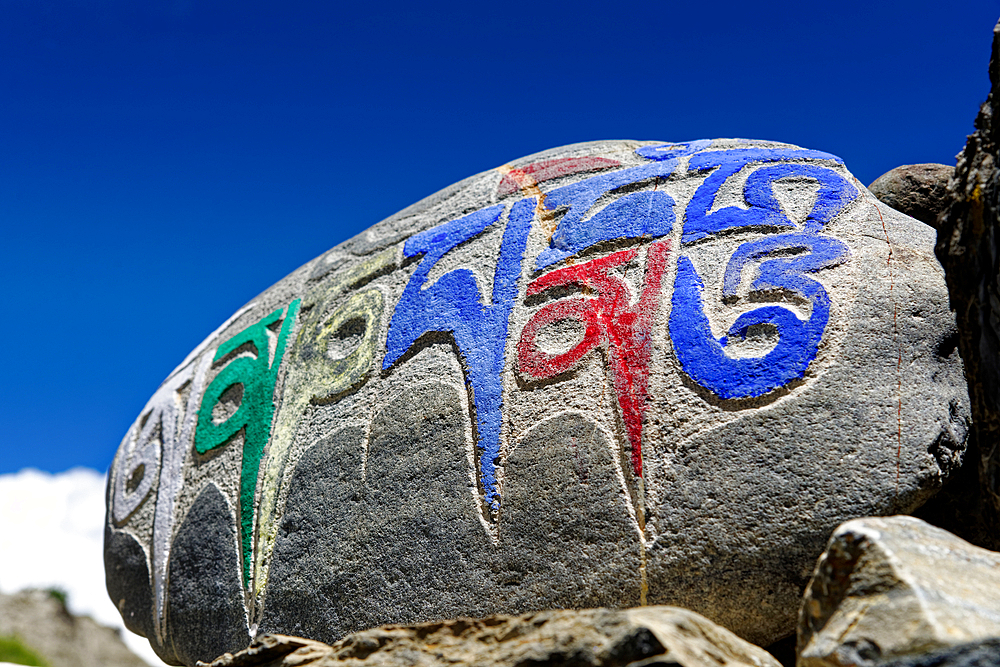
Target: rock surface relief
{"type": "Point", "coordinates": [611, 374]}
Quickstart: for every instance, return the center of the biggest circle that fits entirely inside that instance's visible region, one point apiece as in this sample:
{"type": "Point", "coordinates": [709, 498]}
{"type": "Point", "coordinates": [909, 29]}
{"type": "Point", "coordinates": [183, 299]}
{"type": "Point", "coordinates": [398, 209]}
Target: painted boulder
{"type": "Point", "coordinates": [611, 374]}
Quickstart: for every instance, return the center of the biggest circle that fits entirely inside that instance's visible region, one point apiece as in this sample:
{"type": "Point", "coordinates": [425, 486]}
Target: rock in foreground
{"type": "Point", "coordinates": [589, 638]}
{"type": "Point", "coordinates": [897, 587]}
{"type": "Point", "coordinates": [611, 374]}
{"type": "Point", "coordinates": [975, 654]}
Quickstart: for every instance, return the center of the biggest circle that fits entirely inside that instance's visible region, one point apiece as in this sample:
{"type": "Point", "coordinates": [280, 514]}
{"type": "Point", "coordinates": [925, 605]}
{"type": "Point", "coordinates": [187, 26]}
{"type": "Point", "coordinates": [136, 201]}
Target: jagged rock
{"type": "Point", "coordinates": [645, 636]}
{"type": "Point", "coordinates": [896, 587]}
{"type": "Point", "coordinates": [42, 622]}
{"type": "Point", "coordinates": [611, 374]}
{"type": "Point", "coordinates": [975, 654]}
{"type": "Point", "coordinates": [918, 190]}
{"type": "Point", "coordinates": [969, 249]}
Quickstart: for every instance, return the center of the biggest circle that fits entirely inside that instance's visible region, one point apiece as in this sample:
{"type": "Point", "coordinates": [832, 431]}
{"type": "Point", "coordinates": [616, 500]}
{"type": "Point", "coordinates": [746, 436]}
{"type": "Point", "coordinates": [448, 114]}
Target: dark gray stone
{"type": "Point", "coordinates": [204, 583]}
{"type": "Point", "coordinates": [314, 534]}
{"type": "Point", "coordinates": [424, 533]}
{"type": "Point", "coordinates": [126, 576]}
{"type": "Point", "coordinates": [565, 531]}
{"type": "Point", "coordinates": [918, 190]}
{"type": "Point", "coordinates": [353, 553]}
{"type": "Point", "coordinates": [357, 554]}
{"type": "Point", "coordinates": [968, 247]}
{"type": "Point", "coordinates": [975, 654]}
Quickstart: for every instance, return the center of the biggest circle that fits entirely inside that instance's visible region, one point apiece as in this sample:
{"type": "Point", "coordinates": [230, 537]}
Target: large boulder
{"type": "Point", "coordinates": [610, 374]}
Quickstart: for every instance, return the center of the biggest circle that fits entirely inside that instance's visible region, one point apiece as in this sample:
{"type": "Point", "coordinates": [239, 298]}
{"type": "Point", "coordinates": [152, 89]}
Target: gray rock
{"type": "Point", "coordinates": [890, 588]}
{"type": "Point", "coordinates": [590, 638]}
{"type": "Point", "coordinates": [42, 624]}
{"type": "Point", "coordinates": [340, 550]}
{"type": "Point", "coordinates": [204, 583]}
{"type": "Point", "coordinates": [918, 190]}
{"type": "Point", "coordinates": [127, 581]}
{"type": "Point", "coordinates": [616, 373]}
{"type": "Point", "coordinates": [969, 249]}
{"type": "Point", "coordinates": [974, 654]}
{"type": "Point", "coordinates": [563, 490]}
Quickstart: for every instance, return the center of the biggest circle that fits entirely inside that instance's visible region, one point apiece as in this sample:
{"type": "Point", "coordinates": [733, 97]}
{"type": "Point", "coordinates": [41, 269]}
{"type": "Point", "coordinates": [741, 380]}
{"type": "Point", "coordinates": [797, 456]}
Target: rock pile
{"type": "Point", "coordinates": [38, 623]}
{"type": "Point", "coordinates": [594, 637]}
{"type": "Point", "coordinates": [614, 374]}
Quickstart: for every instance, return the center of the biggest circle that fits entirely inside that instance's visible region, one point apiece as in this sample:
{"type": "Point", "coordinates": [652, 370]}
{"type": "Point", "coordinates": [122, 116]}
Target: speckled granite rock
{"type": "Point", "coordinates": [589, 638]}
{"type": "Point", "coordinates": [918, 190]}
{"type": "Point", "coordinates": [893, 588]}
{"type": "Point", "coordinates": [609, 374]}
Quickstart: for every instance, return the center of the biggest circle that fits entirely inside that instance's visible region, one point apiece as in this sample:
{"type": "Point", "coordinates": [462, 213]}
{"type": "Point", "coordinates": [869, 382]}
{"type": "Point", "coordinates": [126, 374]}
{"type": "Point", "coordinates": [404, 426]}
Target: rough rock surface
{"type": "Point", "coordinates": [44, 625]}
{"type": "Point", "coordinates": [918, 190]}
{"type": "Point", "coordinates": [610, 374]}
{"type": "Point", "coordinates": [592, 637]}
{"type": "Point", "coordinates": [975, 654]}
{"type": "Point", "coordinates": [969, 249]}
{"type": "Point", "coordinates": [887, 588]}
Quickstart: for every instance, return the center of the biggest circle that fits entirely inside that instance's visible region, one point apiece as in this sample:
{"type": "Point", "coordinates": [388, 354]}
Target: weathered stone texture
{"type": "Point", "coordinates": [918, 190]}
{"type": "Point", "coordinates": [974, 654]}
{"type": "Point", "coordinates": [364, 549]}
{"type": "Point", "coordinates": [611, 374]}
{"type": "Point", "coordinates": [590, 638]}
{"type": "Point", "coordinates": [204, 585]}
{"type": "Point", "coordinates": [127, 581]}
{"type": "Point", "coordinates": [969, 249]}
{"type": "Point", "coordinates": [895, 587]}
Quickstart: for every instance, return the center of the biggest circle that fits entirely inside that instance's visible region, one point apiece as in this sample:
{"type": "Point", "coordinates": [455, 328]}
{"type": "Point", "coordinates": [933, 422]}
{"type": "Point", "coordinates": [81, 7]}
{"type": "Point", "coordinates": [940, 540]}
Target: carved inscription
{"type": "Point", "coordinates": [592, 265]}
{"type": "Point", "coordinates": [248, 374]}
{"type": "Point", "coordinates": [333, 355]}
{"type": "Point", "coordinates": [783, 260]}
{"type": "Point", "coordinates": [611, 322]}
{"type": "Point", "coordinates": [154, 451]}
{"type": "Point", "coordinates": [455, 305]}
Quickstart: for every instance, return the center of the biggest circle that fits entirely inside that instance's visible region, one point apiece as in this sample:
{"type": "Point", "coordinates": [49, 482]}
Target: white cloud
{"type": "Point", "coordinates": [52, 534]}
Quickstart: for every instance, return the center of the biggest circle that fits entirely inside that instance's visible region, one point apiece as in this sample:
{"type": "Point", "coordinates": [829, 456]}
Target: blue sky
{"type": "Point", "coordinates": [161, 165]}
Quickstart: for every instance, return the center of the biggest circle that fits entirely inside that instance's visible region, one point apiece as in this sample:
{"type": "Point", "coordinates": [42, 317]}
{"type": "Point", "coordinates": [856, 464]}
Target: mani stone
{"type": "Point", "coordinates": [608, 375]}
{"type": "Point", "coordinates": [590, 638]}
{"type": "Point", "coordinates": [894, 588]}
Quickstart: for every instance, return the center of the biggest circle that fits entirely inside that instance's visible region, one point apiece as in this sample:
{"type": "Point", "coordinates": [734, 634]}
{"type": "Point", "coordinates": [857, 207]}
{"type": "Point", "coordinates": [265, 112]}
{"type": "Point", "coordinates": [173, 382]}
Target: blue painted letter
{"type": "Point", "coordinates": [648, 213]}
{"type": "Point", "coordinates": [703, 357]}
{"type": "Point", "coordinates": [764, 211]}
{"type": "Point", "coordinates": [454, 305]}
